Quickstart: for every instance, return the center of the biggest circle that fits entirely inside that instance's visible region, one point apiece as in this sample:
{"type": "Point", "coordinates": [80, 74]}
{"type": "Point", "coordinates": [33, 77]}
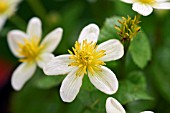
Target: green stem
{"type": "Point", "coordinates": [93, 104]}
{"type": "Point", "coordinates": [138, 16]}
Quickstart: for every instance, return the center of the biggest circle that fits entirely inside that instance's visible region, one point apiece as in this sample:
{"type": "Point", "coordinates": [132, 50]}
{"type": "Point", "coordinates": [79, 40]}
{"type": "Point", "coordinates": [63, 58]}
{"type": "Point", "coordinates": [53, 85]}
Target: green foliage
{"type": "Point", "coordinates": [108, 30]}
{"type": "Point", "coordinates": [33, 100]}
{"type": "Point", "coordinates": [140, 50]}
{"type": "Point", "coordinates": [140, 105]}
{"type": "Point", "coordinates": [42, 81]}
{"type": "Point", "coordinates": [47, 82]}
{"type": "Point", "coordinates": [160, 71]}
{"type": "Point", "coordinates": [87, 85]}
{"type": "Point", "coordinates": [40, 101]}
{"type": "Point", "coordinates": [133, 88]}
{"type": "Point", "coordinates": [144, 89]}
{"type": "Point", "coordinates": [93, 101]}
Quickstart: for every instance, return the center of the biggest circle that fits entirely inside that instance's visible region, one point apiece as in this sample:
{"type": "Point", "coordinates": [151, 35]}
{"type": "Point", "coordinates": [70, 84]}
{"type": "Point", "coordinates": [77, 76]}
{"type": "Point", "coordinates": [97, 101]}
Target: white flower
{"type": "Point", "coordinates": [29, 50]}
{"type": "Point", "coordinates": [113, 106]}
{"type": "Point", "coordinates": [147, 112]}
{"type": "Point", "coordinates": [7, 8]}
{"type": "Point", "coordinates": [145, 7]}
{"type": "Point", "coordinates": [87, 58]}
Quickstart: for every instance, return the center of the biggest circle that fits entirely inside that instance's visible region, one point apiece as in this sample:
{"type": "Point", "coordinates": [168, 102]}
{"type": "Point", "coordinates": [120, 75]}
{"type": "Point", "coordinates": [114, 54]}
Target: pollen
{"type": "Point", "coordinates": [30, 49]}
{"type": "Point", "coordinates": [147, 1]}
{"type": "Point", "coordinates": [3, 6]}
{"type": "Point", "coordinates": [86, 57]}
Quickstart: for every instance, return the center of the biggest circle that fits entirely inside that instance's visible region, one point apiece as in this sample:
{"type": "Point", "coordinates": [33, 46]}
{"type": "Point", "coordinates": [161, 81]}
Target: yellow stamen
{"type": "Point", "coordinates": [147, 1]}
{"type": "Point", "coordinates": [30, 49]}
{"type": "Point", "coordinates": [86, 57]}
{"type": "Point", "coordinates": [128, 28]}
{"type": "Point", "coordinates": [3, 6]}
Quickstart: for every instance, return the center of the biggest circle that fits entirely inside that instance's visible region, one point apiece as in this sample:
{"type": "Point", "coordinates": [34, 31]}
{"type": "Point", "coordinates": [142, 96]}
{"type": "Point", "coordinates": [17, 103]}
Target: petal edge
{"type": "Point", "coordinates": [104, 80]}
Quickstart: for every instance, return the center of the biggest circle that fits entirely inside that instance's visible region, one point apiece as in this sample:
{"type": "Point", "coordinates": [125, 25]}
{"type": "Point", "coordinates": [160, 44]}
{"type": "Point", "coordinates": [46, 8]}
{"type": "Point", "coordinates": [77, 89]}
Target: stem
{"type": "Point", "coordinates": [93, 104]}
{"type": "Point", "coordinates": [126, 44]}
{"type": "Point", "coordinates": [138, 16]}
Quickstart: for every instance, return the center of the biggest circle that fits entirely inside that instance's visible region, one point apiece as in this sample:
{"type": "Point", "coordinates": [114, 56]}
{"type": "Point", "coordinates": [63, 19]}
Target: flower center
{"type": "Point", "coordinates": [30, 49]}
{"type": "Point", "coordinates": [86, 57]}
{"type": "Point", "coordinates": [147, 1]}
{"type": "Point", "coordinates": [3, 6]}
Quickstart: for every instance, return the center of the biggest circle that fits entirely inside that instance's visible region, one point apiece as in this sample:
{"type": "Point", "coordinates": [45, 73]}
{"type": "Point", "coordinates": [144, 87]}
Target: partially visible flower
{"type": "Point", "coordinates": [29, 50]}
{"type": "Point", "coordinates": [113, 106]}
{"type": "Point", "coordinates": [7, 8]}
{"type": "Point", "coordinates": [147, 112]}
{"type": "Point", "coordinates": [87, 58]}
{"type": "Point", "coordinates": [128, 28]}
{"type": "Point", "coordinates": [145, 7]}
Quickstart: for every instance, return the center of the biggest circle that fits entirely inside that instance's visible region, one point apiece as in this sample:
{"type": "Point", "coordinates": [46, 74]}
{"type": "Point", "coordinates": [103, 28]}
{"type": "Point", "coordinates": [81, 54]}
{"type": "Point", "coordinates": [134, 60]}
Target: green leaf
{"type": "Point", "coordinates": [133, 88]}
{"type": "Point", "coordinates": [140, 50]}
{"type": "Point", "coordinates": [47, 82]}
{"type": "Point", "coordinates": [93, 101]}
{"type": "Point", "coordinates": [42, 81]}
{"type": "Point", "coordinates": [108, 31]}
{"type": "Point", "coordinates": [32, 100]}
{"type": "Point", "coordinates": [141, 105]}
{"type": "Point", "coordinates": [159, 71]}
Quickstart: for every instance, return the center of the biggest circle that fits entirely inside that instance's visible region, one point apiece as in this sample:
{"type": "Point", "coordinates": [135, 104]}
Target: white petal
{"type": "Point", "coordinates": [15, 37]}
{"type": "Point", "coordinates": [161, 0]}
{"type": "Point", "coordinates": [147, 112]}
{"type": "Point", "coordinates": [44, 58]}
{"type": "Point", "coordinates": [165, 5]}
{"type": "Point", "coordinates": [22, 74]}
{"type": "Point", "coordinates": [128, 1]}
{"type": "Point", "coordinates": [104, 80]}
{"type": "Point", "coordinates": [114, 49]}
{"type": "Point", "coordinates": [52, 40]}
{"type": "Point", "coordinates": [70, 86]}
{"type": "Point", "coordinates": [113, 106]}
{"type": "Point", "coordinates": [143, 9]}
{"type": "Point", "coordinates": [34, 28]}
{"type": "Point", "coordinates": [2, 22]}
{"type": "Point", "coordinates": [58, 65]}
{"type": "Point", "coordinates": [89, 33]}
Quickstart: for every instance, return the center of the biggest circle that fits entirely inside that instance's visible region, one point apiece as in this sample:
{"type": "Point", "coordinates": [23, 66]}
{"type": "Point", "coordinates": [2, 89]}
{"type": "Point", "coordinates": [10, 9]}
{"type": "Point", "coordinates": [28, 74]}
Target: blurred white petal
{"type": "Point", "coordinates": [165, 5]}
{"type": "Point", "coordinates": [22, 74]}
{"type": "Point", "coordinates": [52, 40]}
{"type": "Point", "coordinates": [44, 58]}
{"type": "Point", "coordinates": [2, 22]}
{"type": "Point", "coordinates": [161, 0]}
{"type": "Point", "coordinates": [34, 29]}
{"type": "Point", "coordinates": [143, 9]}
{"type": "Point", "coordinates": [128, 1]}
{"type": "Point", "coordinates": [14, 38]}
{"type": "Point", "coordinates": [147, 112]}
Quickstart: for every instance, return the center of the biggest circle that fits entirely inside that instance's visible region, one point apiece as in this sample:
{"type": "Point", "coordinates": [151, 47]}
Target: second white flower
{"type": "Point", "coordinates": [87, 58]}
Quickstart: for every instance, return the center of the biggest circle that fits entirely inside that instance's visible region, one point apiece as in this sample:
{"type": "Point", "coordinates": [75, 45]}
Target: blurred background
{"type": "Point", "coordinates": [149, 89]}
